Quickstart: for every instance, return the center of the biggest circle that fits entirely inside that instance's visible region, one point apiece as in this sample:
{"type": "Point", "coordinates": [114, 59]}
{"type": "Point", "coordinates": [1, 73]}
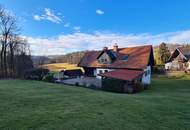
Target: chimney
{"type": "Point", "coordinates": [105, 48]}
{"type": "Point", "coordinates": [115, 48]}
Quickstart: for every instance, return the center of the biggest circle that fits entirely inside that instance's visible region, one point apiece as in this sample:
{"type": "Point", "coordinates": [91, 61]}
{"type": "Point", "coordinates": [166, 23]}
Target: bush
{"type": "Point", "coordinates": [49, 78]}
{"type": "Point", "coordinates": [159, 69]}
{"type": "Point", "coordinates": [36, 74]}
{"type": "Point", "coordinates": [138, 87]}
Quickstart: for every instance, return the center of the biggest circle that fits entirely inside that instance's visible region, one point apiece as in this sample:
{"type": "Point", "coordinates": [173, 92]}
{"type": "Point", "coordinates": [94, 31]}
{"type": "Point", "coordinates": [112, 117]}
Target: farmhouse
{"type": "Point", "coordinates": [129, 65]}
{"type": "Point", "coordinates": [179, 60]}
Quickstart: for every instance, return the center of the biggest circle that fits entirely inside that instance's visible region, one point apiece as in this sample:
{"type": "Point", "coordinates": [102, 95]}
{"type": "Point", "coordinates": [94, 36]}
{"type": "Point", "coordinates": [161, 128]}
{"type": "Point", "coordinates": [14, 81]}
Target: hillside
{"type": "Point", "coordinates": [39, 105]}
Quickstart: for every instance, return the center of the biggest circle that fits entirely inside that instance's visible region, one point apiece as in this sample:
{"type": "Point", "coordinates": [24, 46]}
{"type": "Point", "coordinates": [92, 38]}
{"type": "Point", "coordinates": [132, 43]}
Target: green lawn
{"type": "Point", "coordinates": [38, 105]}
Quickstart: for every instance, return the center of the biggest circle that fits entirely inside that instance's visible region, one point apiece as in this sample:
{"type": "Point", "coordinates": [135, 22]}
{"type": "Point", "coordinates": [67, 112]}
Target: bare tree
{"type": "Point", "coordinates": [14, 42]}
{"type": "Point", "coordinates": [8, 28]}
{"type": "Point", "coordinates": [12, 46]}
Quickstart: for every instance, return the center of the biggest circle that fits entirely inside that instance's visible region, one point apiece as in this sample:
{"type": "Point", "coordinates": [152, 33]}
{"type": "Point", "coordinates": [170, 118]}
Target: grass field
{"type": "Point", "coordinates": [28, 105]}
{"type": "Point", "coordinates": [60, 66]}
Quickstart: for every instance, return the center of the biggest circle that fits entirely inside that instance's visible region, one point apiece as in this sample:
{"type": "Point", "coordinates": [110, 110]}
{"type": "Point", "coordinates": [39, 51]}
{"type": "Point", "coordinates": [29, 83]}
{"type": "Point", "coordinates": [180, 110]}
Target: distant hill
{"type": "Point", "coordinates": [72, 58]}
{"type": "Point", "coordinates": [39, 60]}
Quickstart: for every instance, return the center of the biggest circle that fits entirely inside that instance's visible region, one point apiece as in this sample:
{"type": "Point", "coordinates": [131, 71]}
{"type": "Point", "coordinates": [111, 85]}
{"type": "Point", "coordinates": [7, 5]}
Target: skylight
{"type": "Point", "coordinates": [125, 57]}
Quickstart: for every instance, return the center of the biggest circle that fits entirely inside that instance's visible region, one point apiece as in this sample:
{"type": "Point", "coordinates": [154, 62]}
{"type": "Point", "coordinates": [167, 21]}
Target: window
{"type": "Point", "coordinates": [100, 71]}
{"type": "Point", "coordinates": [106, 71]}
{"type": "Point", "coordinates": [103, 61]}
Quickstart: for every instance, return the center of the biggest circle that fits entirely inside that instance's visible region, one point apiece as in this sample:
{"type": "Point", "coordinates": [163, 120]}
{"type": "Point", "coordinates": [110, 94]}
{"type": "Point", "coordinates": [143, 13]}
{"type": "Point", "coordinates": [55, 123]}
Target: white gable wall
{"type": "Point", "coordinates": [146, 79]}
{"type": "Point", "coordinates": [168, 65]}
{"type": "Point", "coordinates": [104, 59]}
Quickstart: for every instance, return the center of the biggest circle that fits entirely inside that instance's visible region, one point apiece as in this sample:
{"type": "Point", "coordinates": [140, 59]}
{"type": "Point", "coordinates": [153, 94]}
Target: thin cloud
{"type": "Point", "coordinates": [67, 25]}
{"type": "Point", "coordinates": [49, 15]}
{"type": "Point", "coordinates": [99, 12]}
{"type": "Point", "coordinates": [57, 18]}
{"type": "Point", "coordinates": [77, 28]}
{"type": "Point", "coordinates": [37, 17]}
{"type": "Point", "coordinates": [83, 41]}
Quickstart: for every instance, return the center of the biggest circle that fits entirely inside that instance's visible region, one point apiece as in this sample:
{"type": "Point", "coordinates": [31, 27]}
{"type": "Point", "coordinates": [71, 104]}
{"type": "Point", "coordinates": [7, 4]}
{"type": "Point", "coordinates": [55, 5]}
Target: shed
{"type": "Point", "coordinates": [122, 80]}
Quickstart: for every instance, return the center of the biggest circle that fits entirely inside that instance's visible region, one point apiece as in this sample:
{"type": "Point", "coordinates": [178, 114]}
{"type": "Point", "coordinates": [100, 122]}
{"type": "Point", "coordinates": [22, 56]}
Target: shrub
{"type": "Point", "coordinates": [49, 78]}
{"type": "Point", "coordinates": [138, 87]}
{"type": "Point", "coordinates": [159, 69]}
{"type": "Point", "coordinates": [146, 86]}
{"type": "Point", "coordinates": [36, 74]}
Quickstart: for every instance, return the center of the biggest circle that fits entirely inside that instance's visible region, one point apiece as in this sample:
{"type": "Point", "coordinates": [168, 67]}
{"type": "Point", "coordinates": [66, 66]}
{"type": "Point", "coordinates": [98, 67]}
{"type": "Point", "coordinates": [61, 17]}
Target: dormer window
{"type": "Point", "coordinates": [107, 56]}
{"type": "Point", "coordinates": [103, 61]}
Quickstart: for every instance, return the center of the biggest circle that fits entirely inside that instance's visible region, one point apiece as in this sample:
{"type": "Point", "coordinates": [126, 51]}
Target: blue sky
{"type": "Point", "coordinates": [64, 26]}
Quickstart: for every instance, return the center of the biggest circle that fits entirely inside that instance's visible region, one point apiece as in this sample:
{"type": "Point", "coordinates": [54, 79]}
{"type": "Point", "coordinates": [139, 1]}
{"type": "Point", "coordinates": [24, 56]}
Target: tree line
{"type": "Point", "coordinates": [14, 49]}
{"type": "Point", "coordinates": [72, 58]}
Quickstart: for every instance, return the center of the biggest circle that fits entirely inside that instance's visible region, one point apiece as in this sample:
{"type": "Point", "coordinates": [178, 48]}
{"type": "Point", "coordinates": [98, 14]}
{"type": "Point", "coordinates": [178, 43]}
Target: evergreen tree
{"type": "Point", "coordinates": [163, 53]}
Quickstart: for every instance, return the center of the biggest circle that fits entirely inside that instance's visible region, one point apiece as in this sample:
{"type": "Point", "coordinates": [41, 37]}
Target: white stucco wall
{"type": "Point", "coordinates": [97, 71]}
{"type": "Point", "coordinates": [168, 65]}
{"type": "Point", "coordinates": [146, 79]}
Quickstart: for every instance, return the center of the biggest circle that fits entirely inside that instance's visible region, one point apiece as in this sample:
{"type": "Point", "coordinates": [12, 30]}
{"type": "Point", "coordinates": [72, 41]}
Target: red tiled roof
{"type": "Point", "coordinates": [138, 58]}
{"type": "Point", "coordinates": [123, 74]}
